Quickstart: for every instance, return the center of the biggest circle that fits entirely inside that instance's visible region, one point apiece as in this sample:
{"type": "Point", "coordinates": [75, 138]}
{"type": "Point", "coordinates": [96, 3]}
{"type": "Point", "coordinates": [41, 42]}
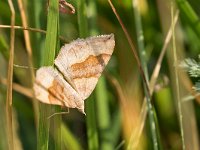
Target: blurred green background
{"type": "Point", "coordinates": [114, 108]}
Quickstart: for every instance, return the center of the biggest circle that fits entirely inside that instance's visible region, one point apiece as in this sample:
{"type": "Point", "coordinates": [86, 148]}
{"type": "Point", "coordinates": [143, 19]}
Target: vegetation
{"type": "Point", "coordinates": [147, 97]}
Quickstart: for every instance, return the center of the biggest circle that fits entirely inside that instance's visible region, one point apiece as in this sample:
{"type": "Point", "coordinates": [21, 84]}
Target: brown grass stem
{"type": "Point", "coordinates": [32, 29]}
{"type": "Point", "coordinates": [179, 103]}
{"type": "Point", "coordinates": [18, 88]}
{"type": "Point", "coordinates": [137, 133]}
{"type": "Point", "coordinates": [29, 51]}
{"type": "Point", "coordinates": [132, 47]}
{"type": "Point", "coordinates": [10, 79]}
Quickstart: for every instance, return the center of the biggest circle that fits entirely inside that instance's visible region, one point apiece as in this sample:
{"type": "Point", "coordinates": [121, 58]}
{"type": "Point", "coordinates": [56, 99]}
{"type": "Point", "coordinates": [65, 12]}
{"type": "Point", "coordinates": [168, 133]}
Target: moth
{"type": "Point", "coordinates": [75, 73]}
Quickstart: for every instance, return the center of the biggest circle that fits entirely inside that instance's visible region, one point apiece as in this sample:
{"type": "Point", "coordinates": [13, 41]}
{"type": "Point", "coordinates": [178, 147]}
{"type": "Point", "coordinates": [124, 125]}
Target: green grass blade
{"type": "Point", "coordinates": [92, 132]}
{"type": "Point", "coordinates": [37, 37]}
{"type": "Point", "coordinates": [51, 36]}
{"type": "Point", "coordinates": [104, 118]}
{"type": "Point", "coordinates": [101, 97]}
{"type": "Point", "coordinates": [190, 15]}
{"type": "Point", "coordinates": [48, 59]}
{"type": "Point", "coordinates": [82, 18]}
{"type": "Point", "coordinates": [57, 120]}
{"type": "Point", "coordinates": [68, 140]}
{"type": "Point", "coordinates": [142, 54]}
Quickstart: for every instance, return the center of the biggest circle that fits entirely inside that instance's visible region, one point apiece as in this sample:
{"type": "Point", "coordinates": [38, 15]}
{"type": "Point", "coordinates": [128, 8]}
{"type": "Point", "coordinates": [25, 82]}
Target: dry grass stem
{"type": "Point", "coordinates": [156, 70]}
{"type": "Point", "coordinates": [137, 132]}
{"type": "Point", "coordinates": [29, 51]}
{"type": "Point", "coordinates": [177, 80]}
{"type": "Point", "coordinates": [10, 80]}
{"type": "Point", "coordinates": [126, 108]}
{"type": "Point", "coordinates": [18, 88]}
{"type": "Point", "coordinates": [132, 47]}
{"type": "Point", "coordinates": [32, 29]}
{"type": "Point", "coordinates": [118, 88]}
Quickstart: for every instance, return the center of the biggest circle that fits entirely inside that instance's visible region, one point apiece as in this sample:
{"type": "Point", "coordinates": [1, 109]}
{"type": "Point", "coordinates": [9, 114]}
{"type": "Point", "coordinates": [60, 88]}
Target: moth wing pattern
{"type": "Point", "coordinates": [51, 88]}
{"type": "Point", "coordinates": [83, 61]}
{"type": "Point", "coordinates": [78, 67]}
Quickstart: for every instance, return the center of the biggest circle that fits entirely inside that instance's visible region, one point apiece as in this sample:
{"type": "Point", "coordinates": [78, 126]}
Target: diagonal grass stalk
{"type": "Point", "coordinates": [152, 84]}
{"type": "Point", "coordinates": [32, 29]}
{"type": "Point", "coordinates": [189, 123]}
{"type": "Point", "coordinates": [142, 54]}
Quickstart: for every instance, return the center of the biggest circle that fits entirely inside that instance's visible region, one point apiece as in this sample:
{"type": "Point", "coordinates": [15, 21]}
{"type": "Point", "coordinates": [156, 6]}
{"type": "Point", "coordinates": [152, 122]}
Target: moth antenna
{"type": "Point", "coordinates": [59, 113]}
{"type": "Point", "coordinates": [24, 67]}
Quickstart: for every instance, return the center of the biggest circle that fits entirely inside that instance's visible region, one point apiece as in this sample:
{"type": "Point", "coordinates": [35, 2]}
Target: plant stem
{"type": "Point", "coordinates": [92, 132]}
{"type": "Point", "coordinates": [190, 15]}
{"type": "Point", "coordinates": [179, 104]}
{"type": "Point", "coordinates": [142, 54]}
{"type": "Point", "coordinates": [48, 59]}
{"type": "Point", "coordinates": [10, 80]}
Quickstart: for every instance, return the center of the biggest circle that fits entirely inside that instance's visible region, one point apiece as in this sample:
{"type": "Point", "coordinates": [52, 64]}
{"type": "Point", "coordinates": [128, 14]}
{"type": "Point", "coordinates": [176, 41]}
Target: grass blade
{"type": "Point", "coordinates": [101, 97]}
{"type": "Point", "coordinates": [69, 141]}
{"type": "Point", "coordinates": [29, 52]}
{"type": "Point", "coordinates": [10, 80]}
{"type": "Point", "coordinates": [190, 15]}
{"type": "Point", "coordinates": [104, 118]}
{"type": "Point", "coordinates": [48, 59]}
{"type": "Point", "coordinates": [179, 104]}
{"type": "Point", "coordinates": [82, 18]}
{"type": "Point", "coordinates": [142, 54]}
{"type": "Point", "coordinates": [92, 132]}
